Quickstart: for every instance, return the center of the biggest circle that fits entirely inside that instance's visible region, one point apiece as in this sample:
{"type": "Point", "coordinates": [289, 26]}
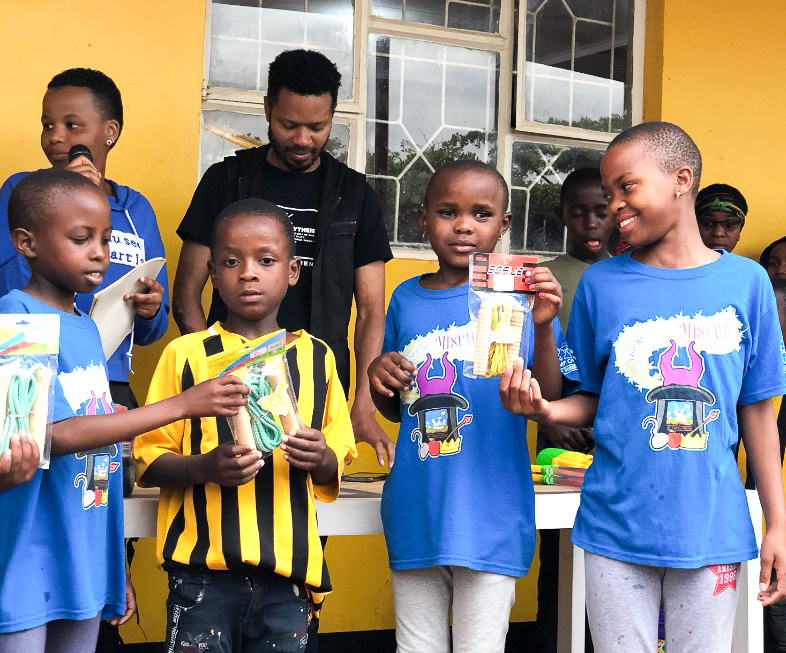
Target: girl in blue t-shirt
{"type": "Point", "coordinates": [458, 511]}
{"type": "Point", "coordinates": [672, 341]}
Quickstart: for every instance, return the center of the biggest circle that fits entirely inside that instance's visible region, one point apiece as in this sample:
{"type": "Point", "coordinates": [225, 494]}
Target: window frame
{"type": "Point", "coordinates": [352, 111]}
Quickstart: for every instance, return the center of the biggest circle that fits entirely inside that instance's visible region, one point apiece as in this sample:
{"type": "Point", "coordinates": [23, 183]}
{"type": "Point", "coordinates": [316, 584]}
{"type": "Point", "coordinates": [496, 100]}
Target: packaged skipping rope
{"type": "Point", "coordinates": [28, 369]}
{"type": "Point", "coordinates": [272, 407]}
{"type": "Point", "coordinates": [499, 304]}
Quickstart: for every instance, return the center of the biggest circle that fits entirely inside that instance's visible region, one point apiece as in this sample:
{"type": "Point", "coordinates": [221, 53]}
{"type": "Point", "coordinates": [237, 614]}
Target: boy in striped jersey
{"type": "Point", "coordinates": [237, 535]}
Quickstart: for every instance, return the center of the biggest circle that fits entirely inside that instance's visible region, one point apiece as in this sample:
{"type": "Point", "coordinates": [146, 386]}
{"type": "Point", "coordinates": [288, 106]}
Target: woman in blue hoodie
{"type": "Point", "coordinates": [83, 106]}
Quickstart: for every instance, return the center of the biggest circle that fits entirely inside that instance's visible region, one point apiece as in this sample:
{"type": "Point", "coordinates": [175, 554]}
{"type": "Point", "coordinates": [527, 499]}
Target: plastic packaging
{"type": "Point", "coordinates": [272, 407]}
{"type": "Point", "coordinates": [28, 368]}
{"type": "Point", "coordinates": [499, 305]}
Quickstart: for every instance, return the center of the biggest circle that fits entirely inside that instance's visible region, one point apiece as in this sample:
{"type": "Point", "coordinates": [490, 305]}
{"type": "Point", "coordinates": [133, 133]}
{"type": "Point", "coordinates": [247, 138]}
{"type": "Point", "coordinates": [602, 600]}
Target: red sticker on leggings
{"type": "Point", "coordinates": [727, 577]}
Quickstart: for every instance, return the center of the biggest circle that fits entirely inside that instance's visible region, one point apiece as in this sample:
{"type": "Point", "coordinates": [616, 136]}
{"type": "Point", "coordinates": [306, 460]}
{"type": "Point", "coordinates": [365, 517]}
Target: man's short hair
{"type": "Point", "coordinates": [577, 178]}
{"type": "Point", "coordinates": [467, 165]}
{"type": "Point", "coordinates": [668, 145]}
{"type": "Point", "coordinates": [34, 198]}
{"type": "Point", "coordinates": [106, 95]}
{"type": "Point", "coordinates": [258, 207]}
{"type": "Point", "coordinates": [764, 259]}
{"type": "Point", "coordinates": [304, 72]}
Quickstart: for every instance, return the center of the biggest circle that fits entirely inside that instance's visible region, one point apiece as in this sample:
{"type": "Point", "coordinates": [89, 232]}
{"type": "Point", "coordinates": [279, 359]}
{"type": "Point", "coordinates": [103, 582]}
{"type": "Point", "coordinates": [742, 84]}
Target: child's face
{"type": "Point", "coordinates": [586, 218]}
{"type": "Point", "coordinates": [720, 230]}
{"type": "Point", "coordinates": [641, 196]}
{"type": "Point", "coordinates": [251, 266]}
{"type": "Point", "coordinates": [776, 266]}
{"type": "Point", "coordinates": [71, 249]}
{"type": "Point", "coordinates": [69, 117]}
{"type": "Point", "coordinates": [465, 213]}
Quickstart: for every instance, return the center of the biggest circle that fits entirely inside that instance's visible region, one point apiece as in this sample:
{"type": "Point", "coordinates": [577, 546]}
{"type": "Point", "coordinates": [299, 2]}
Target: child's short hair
{"type": "Point", "coordinates": [721, 197]}
{"type": "Point", "coordinates": [669, 145]}
{"type": "Point", "coordinates": [33, 199]}
{"type": "Point", "coordinates": [106, 95]}
{"type": "Point", "coordinates": [304, 72]}
{"type": "Point", "coordinates": [577, 178]}
{"type": "Point", "coordinates": [764, 259]}
{"type": "Point", "coordinates": [254, 206]}
{"type": "Point", "coordinates": [463, 165]}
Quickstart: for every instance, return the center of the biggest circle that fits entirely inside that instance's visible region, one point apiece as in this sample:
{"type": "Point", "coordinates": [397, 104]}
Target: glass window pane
{"type": "Point", "coordinates": [478, 15]}
{"type": "Point", "coordinates": [226, 132]}
{"type": "Point", "coordinates": [536, 178]}
{"type": "Point", "coordinates": [428, 104]}
{"type": "Point", "coordinates": [247, 35]}
{"type": "Point", "coordinates": [577, 62]}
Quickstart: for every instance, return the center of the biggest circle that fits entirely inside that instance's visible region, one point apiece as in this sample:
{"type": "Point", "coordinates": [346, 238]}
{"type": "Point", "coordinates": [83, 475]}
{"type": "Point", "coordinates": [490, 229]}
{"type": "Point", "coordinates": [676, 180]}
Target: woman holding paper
{"type": "Point", "coordinates": [83, 107]}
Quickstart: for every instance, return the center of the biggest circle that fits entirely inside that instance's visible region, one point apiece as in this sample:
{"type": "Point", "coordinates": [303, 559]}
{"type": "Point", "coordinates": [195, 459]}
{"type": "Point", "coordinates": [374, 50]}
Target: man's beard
{"type": "Point", "coordinates": [281, 153]}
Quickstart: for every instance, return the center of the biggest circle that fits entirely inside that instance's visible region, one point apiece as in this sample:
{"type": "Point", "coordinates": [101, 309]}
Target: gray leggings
{"type": "Point", "coordinates": [623, 600]}
{"type": "Point", "coordinates": [59, 636]}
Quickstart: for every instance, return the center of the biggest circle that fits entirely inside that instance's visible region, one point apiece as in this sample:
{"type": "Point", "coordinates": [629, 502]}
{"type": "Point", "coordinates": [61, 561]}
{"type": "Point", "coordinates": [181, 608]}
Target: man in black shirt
{"type": "Point", "coordinates": [339, 229]}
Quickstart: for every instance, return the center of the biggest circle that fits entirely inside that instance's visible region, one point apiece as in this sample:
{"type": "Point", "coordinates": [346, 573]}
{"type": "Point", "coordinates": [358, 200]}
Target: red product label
{"type": "Point", "coordinates": [501, 272]}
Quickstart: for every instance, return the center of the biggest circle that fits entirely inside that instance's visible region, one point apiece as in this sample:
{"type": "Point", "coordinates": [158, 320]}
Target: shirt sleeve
{"type": "Point", "coordinates": [166, 382]}
{"type": "Point", "coordinates": [208, 201]}
{"type": "Point", "coordinates": [371, 241]}
{"type": "Point", "coordinates": [337, 429]}
{"type": "Point", "coordinates": [581, 341]}
{"type": "Point", "coordinates": [765, 370]}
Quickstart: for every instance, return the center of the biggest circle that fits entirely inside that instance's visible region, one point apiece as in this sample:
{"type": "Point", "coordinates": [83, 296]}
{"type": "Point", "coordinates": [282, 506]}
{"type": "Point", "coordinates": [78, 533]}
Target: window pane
{"type": "Point", "coordinates": [428, 104]}
{"type": "Point", "coordinates": [226, 132]}
{"type": "Point", "coordinates": [537, 175]}
{"type": "Point", "coordinates": [479, 15]}
{"type": "Point", "coordinates": [577, 62]}
{"type": "Point", "coordinates": [248, 34]}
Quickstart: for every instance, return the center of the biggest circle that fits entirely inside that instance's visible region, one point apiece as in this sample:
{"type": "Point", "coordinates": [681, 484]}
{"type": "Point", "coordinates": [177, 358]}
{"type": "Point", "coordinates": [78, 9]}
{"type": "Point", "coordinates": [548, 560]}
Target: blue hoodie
{"type": "Point", "coordinates": [135, 238]}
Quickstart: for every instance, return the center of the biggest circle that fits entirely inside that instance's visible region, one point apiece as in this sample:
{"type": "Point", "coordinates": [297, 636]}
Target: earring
{"type": "Point", "coordinates": [678, 194]}
{"type": "Point", "coordinates": [109, 142]}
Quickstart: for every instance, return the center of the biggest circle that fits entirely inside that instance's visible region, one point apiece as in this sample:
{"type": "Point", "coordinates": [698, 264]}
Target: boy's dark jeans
{"type": "Point", "coordinates": [233, 612]}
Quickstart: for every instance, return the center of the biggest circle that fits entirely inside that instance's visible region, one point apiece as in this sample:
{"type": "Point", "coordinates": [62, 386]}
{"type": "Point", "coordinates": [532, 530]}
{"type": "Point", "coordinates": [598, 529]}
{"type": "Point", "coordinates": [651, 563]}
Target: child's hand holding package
{"type": "Point", "coordinates": [231, 465]}
{"type": "Point", "coordinates": [520, 393]}
{"type": "Point", "coordinates": [307, 449]}
{"type": "Point", "coordinates": [390, 373]}
{"type": "Point", "coordinates": [548, 295]}
{"type": "Point", "coordinates": [222, 397]}
{"type": "Point", "coordinates": [19, 462]}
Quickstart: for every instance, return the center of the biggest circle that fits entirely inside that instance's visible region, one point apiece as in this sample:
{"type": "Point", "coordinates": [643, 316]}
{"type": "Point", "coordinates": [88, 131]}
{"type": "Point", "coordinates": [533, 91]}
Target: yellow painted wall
{"type": "Point", "coordinates": [722, 81]}
{"type": "Point", "coordinates": [713, 69]}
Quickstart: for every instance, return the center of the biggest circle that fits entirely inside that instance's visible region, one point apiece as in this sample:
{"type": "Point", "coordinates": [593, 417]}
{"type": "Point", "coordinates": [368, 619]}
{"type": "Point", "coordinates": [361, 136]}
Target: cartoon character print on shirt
{"type": "Point", "coordinates": [432, 399]}
{"type": "Point", "coordinates": [87, 392]}
{"type": "Point", "coordinates": [438, 432]}
{"type": "Point", "coordinates": [666, 358]}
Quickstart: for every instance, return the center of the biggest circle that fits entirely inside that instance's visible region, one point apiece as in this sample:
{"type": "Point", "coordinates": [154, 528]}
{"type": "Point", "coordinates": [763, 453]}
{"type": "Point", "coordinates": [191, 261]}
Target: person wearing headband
{"type": "Point", "coordinates": [721, 211]}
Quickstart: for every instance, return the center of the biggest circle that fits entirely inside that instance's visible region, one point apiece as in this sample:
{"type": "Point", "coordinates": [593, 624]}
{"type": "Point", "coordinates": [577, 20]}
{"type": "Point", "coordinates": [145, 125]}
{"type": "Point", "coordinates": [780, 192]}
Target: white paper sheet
{"type": "Point", "coordinates": [114, 316]}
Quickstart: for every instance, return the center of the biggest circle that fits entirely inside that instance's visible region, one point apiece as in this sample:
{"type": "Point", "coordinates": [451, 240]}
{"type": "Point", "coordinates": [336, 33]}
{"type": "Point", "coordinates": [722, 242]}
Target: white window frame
{"type": "Point", "coordinates": [352, 111]}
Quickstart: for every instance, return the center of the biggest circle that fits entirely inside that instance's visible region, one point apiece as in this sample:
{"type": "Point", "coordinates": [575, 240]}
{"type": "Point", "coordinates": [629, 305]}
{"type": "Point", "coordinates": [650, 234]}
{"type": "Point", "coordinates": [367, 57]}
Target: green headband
{"type": "Point", "coordinates": [720, 204]}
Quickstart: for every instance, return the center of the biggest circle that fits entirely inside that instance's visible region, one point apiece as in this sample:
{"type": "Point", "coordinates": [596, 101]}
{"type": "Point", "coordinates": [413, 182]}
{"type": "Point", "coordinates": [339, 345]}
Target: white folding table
{"type": "Point", "coordinates": [356, 512]}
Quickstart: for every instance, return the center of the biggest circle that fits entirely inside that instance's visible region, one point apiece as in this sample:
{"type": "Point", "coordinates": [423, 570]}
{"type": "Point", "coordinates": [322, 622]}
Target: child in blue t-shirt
{"type": "Point", "coordinates": [458, 511]}
{"type": "Point", "coordinates": [671, 340]}
{"type": "Point", "coordinates": [62, 562]}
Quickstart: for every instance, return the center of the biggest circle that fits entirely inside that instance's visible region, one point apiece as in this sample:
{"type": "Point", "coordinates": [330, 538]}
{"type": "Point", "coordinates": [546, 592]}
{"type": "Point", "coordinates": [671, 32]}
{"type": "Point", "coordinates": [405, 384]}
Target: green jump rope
{"type": "Point", "coordinates": [22, 391]}
{"type": "Point", "coordinates": [266, 432]}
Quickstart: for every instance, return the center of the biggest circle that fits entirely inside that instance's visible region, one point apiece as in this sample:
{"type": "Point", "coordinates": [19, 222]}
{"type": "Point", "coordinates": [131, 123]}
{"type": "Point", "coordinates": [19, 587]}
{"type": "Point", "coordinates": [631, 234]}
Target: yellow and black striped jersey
{"type": "Point", "coordinates": [270, 522]}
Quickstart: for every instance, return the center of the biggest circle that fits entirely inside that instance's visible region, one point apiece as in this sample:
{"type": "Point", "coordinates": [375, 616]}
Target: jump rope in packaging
{"type": "Point", "coordinates": [272, 407]}
{"type": "Point", "coordinates": [499, 305]}
{"type": "Point", "coordinates": [28, 369]}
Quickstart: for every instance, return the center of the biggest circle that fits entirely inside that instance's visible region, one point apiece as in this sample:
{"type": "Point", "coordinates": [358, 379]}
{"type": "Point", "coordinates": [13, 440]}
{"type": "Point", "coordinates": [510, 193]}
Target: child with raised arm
{"type": "Point", "coordinates": [62, 557]}
{"type": "Point", "coordinates": [670, 339]}
{"type": "Point", "coordinates": [458, 511]}
{"type": "Point", "coordinates": [238, 537]}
